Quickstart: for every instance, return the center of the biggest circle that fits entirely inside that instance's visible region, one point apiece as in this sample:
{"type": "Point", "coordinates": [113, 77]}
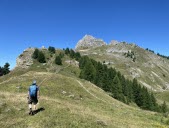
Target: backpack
{"type": "Point", "coordinates": [33, 90]}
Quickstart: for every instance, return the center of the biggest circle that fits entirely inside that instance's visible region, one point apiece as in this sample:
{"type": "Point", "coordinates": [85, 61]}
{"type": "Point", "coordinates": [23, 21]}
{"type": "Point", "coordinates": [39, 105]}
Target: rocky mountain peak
{"type": "Point", "coordinates": [88, 37]}
{"type": "Point", "coordinates": [89, 41]}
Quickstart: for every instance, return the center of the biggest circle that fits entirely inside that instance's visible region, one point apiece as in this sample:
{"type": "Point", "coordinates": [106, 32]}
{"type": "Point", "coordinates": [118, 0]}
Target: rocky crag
{"type": "Point", "coordinates": [89, 41]}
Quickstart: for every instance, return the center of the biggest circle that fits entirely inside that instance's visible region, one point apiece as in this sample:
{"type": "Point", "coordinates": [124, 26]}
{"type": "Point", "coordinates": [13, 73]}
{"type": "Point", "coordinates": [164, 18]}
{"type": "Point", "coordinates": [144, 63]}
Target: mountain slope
{"type": "Point", "coordinates": [132, 61]}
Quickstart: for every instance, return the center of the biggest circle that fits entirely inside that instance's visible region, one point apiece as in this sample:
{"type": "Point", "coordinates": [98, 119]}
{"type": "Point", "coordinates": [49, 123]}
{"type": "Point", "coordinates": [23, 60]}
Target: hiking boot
{"type": "Point", "coordinates": [30, 112]}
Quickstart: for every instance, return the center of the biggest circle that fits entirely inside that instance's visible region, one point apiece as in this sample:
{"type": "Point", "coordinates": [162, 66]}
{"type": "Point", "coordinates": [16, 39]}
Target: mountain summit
{"type": "Point", "coordinates": [89, 41]}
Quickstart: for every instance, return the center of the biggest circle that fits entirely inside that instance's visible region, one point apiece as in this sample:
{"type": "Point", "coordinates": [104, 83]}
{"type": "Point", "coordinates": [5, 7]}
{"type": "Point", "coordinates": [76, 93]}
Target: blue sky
{"type": "Point", "coordinates": [61, 23]}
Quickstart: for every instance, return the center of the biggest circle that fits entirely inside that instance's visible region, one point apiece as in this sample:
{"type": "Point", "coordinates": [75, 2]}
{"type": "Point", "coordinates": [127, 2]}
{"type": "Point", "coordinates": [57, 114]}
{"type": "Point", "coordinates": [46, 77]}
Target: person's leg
{"type": "Point", "coordinates": [35, 101]}
{"type": "Point", "coordinates": [34, 107]}
{"type": "Point", "coordinates": [30, 105]}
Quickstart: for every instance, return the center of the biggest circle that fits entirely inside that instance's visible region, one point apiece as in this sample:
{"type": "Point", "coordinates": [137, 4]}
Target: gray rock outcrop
{"type": "Point", "coordinates": [114, 42]}
{"type": "Point", "coordinates": [25, 59]}
{"type": "Point", "coordinates": [89, 41]}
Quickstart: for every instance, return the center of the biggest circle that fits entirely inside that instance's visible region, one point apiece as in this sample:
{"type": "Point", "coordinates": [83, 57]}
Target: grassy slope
{"type": "Point", "coordinates": [150, 64]}
{"type": "Point", "coordinates": [148, 68]}
{"type": "Point", "coordinates": [76, 108]}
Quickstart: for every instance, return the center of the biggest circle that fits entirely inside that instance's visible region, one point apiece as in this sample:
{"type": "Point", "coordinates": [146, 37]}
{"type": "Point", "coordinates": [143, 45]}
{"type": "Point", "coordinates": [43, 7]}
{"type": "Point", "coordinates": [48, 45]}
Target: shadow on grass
{"type": "Point", "coordinates": [38, 110]}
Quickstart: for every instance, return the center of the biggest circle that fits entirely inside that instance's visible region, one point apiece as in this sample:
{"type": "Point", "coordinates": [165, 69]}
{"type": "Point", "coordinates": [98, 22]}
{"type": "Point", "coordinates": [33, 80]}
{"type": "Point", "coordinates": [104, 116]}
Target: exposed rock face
{"type": "Point", "coordinates": [114, 42]}
{"type": "Point", "coordinates": [25, 59]}
{"type": "Point", "coordinates": [89, 42]}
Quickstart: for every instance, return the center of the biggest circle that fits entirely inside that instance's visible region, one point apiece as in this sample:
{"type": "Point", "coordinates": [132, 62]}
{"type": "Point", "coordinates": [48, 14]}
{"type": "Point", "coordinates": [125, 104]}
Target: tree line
{"type": "Point", "coordinates": [40, 56]}
{"type": "Point", "coordinates": [5, 69]}
{"type": "Point", "coordinates": [158, 54]}
{"type": "Point", "coordinates": [113, 82]}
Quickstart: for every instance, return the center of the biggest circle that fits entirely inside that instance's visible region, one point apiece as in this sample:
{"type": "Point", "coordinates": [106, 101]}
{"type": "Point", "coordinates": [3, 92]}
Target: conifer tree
{"type": "Point", "coordinates": [77, 56]}
{"type": "Point", "coordinates": [154, 103]}
{"type": "Point", "coordinates": [99, 75]}
{"type": "Point", "coordinates": [82, 61]}
{"type": "Point", "coordinates": [41, 57]}
{"type": "Point", "coordinates": [88, 72]}
{"type": "Point", "coordinates": [35, 54]}
{"type": "Point", "coordinates": [145, 98]}
{"type": "Point", "coordinates": [6, 69]}
{"type": "Point", "coordinates": [67, 51]}
{"type": "Point", "coordinates": [51, 49]}
{"type": "Point", "coordinates": [111, 74]}
{"type": "Point", "coordinates": [164, 107]}
{"type": "Point", "coordinates": [61, 55]}
{"type": "Point", "coordinates": [1, 71]}
{"type": "Point", "coordinates": [137, 92]}
{"type": "Point", "coordinates": [116, 88]}
{"type": "Point", "coordinates": [124, 86]}
{"type": "Point", "coordinates": [105, 79]}
{"type": "Point", "coordinates": [129, 91]}
{"type": "Point", "coordinates": [58, 60]}
{"type": "Point", "coordinates": [72, 53]}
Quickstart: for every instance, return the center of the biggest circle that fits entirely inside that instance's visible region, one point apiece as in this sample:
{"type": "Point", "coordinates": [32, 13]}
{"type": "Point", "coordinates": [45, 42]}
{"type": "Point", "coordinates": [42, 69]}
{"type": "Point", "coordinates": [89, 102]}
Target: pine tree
{"type": "Point", "coordinates": [51, 49]}
{"type": "Point", "coordinates": [154, 103]}
{"type": "Point", "coordinates": [124, 86]}
{"type": "Point", "coordinates": [72, 53]}
{"type": "Point", "coordinates": [137, 92]}
{"type": "Point", "coordinates": [6, 69]}
{"type": "Point", "coordinates": [112, 73]}
{"type": "Point", "coordinates": [67, 51]}
{"type": "Point", "coordinates": [58, 60]}
{"type": "Point", "coordinates": [105, 79]}
{"type": "Point", "coordinates": [1, 71]}
{"type": "Point", "coordinates": [41, 57]}
{"type": "Point", "coordinates": [164, 107]}
{"type": "Point", "coordinates": [35, 54]}
{"type": "Point", "coordinates": [82, 61]}
{"type": "Point", "coordinates": [117, 89]}
{"type": "Point", "coordinates": [61, 55]}
{"type": "Point", "coordinates": [88, 72]}
{"type": "Point", "coordinates": [129, 91]}
{"type": "Point", "coordinates": [99, 75]}
{"type": "Point", "coordinates": [77, 56]}
{"type": "Point", "coordinates": [145, 99]}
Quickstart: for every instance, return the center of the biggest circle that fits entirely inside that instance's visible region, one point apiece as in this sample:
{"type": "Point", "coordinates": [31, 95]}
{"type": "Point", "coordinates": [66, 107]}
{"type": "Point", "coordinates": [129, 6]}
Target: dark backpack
{"type": "Point", "coordinates": [33, 90]}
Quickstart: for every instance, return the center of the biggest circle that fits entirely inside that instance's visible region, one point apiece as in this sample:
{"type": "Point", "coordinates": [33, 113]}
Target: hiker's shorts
{"type": "Point", "coordinates": [33, 100]}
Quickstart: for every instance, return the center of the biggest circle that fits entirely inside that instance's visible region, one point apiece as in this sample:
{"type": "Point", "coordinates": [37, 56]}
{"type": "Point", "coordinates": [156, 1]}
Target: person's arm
{"type": "Point", "coordinates": [38, 94]}
{"type": "Point", "coordinates": [28, 95]}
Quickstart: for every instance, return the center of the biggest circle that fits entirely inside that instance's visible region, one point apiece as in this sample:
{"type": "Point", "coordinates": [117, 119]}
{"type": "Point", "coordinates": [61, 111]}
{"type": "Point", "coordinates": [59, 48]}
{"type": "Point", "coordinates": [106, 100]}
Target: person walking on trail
{"type": "Point", "coordinates": [33, 96]}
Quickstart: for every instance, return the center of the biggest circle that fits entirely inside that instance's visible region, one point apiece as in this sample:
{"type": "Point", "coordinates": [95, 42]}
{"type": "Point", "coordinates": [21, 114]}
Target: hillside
{"type": "Point", "coordinates": [149, 69]}
{"type": "Point", "coordinates": [66, 101]}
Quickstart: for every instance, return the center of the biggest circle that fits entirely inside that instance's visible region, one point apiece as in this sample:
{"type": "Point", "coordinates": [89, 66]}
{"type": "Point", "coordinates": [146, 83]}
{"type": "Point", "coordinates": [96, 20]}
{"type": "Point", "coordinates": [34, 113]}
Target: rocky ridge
{"type": "Point", "coordinates": [133, 61]}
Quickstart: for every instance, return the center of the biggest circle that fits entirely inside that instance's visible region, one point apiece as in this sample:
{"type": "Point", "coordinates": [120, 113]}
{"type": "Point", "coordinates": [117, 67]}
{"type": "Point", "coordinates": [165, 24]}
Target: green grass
{"type": "Point", "coordinates": [77, 108]}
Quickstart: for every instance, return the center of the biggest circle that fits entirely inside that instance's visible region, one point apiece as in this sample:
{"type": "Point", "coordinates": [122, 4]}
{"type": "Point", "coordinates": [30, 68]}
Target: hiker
{"type": "Point", "coordinates": [33, 96]}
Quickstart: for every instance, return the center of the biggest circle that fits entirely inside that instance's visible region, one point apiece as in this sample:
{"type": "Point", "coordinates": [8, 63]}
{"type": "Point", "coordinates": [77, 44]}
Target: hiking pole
{"type": "Point", "coordinates": [42, 81]}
